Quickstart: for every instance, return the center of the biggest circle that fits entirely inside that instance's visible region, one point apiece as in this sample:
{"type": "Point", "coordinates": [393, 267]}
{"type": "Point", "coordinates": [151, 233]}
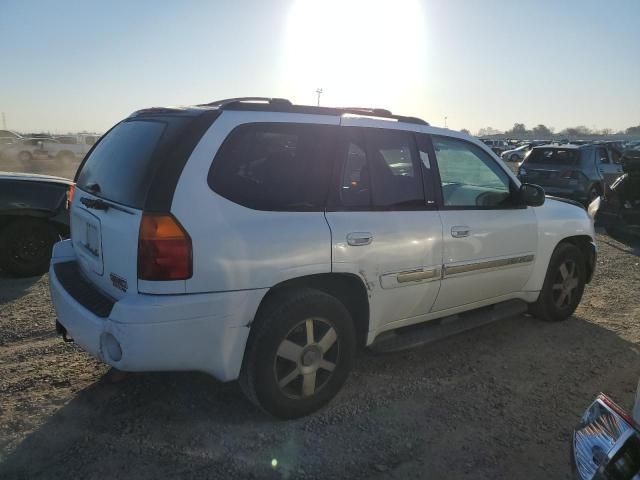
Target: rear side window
{"type": "Point", "coordinates": [555, 156]}
{"type": "Point", "coordinates": [120, 164]}
{"type": "Point", "coordinates": [379, 169]}
{"type": "Point", "coordinates": [278, 167]}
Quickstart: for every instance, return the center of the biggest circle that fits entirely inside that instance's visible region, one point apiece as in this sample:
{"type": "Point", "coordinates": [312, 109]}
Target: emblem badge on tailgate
{"type": "Point", "coordinates": [118, 282]}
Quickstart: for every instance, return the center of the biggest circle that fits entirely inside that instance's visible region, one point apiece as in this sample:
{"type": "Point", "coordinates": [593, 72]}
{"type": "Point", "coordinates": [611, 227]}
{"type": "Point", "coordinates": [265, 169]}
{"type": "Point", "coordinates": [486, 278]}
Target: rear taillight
{"type": "Point", "coordinates": [164, 249]}
{"type": "Point", "coordinates": [70, 193]}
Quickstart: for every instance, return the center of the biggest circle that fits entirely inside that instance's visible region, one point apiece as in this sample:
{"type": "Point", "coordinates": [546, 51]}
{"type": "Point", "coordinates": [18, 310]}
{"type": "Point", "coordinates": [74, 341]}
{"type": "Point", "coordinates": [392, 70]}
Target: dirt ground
{"type": "Point", "coordinates": [496, 402]}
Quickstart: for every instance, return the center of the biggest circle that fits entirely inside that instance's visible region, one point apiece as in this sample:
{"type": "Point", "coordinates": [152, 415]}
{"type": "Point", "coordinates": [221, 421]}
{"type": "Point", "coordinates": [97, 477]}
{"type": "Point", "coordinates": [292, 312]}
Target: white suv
{"type": "Point", "coordinates": [258, 240]}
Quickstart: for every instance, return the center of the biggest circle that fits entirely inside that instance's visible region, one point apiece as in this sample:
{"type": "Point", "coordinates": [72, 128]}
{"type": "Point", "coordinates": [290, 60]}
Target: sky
{"type": "Point", "coordinates": [85, 65]}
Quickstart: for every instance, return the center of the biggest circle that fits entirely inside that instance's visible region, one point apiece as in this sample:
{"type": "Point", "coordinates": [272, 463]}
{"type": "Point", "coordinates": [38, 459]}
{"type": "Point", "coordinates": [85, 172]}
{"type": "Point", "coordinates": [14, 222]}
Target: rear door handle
{"type": "Point", "coordinates": [357, 239]}
{"type": "Point", "coordinates": [460, 231]}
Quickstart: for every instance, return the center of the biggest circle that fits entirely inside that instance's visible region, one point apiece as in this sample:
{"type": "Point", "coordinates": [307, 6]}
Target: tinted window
{"type": "Point", "coordinates": [554, 156]}
{"type": "Point", "coordinates": [120, 163]}
{"type": "Point", "coordinates": [379, 169]}
{"type": "Point", "coordinates": [469, 176]}
{"type": "Point", "coordinates": [275, 167]}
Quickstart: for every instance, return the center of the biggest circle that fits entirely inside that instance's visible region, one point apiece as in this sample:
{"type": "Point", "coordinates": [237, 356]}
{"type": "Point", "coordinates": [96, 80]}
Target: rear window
{"type": "Point", "coordinates": [120, 164]}
{"type": "Point", "coordinates": [278, 167]}
{"type": "Point", "coordinates": [555, 156]}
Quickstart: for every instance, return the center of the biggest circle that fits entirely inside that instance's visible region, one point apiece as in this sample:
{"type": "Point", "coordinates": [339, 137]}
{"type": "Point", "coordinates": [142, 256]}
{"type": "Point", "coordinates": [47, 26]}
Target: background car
{"type": "Point", "coordinates": [516, 154]}
{"type": "Point", "coordinates": [578, 172]}
{"type": "Point", "coordinates": [24, 150]}
{"type": "Point", "coordinates": [33, 216]}
{"type": "Point", "coordinates": [618, 210]}
{"type": "Point", "coordinates": [69, 148]}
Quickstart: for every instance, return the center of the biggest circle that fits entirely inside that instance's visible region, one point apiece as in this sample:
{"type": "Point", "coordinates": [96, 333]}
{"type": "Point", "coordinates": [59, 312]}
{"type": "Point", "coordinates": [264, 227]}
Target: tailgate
{"type": "Point", "coordinates": [106, 243]}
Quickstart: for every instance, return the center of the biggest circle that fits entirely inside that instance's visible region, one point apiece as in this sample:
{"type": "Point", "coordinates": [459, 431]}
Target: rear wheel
{"type": "Point", "coordinates": [299, 354]}
{"type": "Point", "coordinates": [25, 246]}
{"type": "Point", "coordinates": [563, 285]}
{"type": "Point", "coordinates": [65, 157]}
{"type": "Point", "coordinates": [25, 156]}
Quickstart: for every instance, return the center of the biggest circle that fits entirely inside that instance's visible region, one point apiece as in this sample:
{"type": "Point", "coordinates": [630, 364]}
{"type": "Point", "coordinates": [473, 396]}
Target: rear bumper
{"type": "Point", "coordinates": [204, 332]}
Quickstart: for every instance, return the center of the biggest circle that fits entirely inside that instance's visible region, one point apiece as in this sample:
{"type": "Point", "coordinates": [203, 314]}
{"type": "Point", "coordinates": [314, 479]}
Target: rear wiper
{"type": "Point", "coordinates": [96, 204]}
{"type": "Point", "coordinates": [99, 204]}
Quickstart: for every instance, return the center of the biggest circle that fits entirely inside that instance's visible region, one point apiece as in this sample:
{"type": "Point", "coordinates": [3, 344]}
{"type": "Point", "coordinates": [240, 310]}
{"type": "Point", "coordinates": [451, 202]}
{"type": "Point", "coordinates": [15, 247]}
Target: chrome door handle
{"type": "Point", "coordinates": [357, 239]}
{"type": "Point", "coordinates": [460, 231]}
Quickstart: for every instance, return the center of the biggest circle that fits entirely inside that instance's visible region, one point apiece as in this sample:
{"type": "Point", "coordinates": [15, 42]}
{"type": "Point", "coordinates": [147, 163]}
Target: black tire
{"type": "Point", "coordinates": [25, 246]}
{"type": "Point", "coordinates": [286, 319]}
{"type": "Point", "coordinates": [25, 156]}
{"type": "Point", "coordinates": [551, 305]}
{"type": "Point", "coordinates": [65, 157]}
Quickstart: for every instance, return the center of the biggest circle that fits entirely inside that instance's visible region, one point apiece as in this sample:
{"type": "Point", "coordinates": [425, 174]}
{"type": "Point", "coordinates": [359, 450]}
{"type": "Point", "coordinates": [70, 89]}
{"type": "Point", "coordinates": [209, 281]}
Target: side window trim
{"type": "Point", "coordinates": [438, 181]}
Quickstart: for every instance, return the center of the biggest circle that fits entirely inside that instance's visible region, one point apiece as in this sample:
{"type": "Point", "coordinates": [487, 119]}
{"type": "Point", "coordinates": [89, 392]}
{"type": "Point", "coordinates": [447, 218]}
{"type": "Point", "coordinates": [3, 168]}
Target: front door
{"type": "Point", "coordinates": [382, 227]}
{"type": "Point", "coordinates": [489, 239]}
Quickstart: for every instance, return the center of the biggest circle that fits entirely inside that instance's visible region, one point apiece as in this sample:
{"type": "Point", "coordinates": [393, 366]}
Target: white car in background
{"type": "Point", "coordinates": [516, 154]}
{"type": "Point", "coordinates": [258, 240]}
{"type": "Point", "coordinates": [68, 148]}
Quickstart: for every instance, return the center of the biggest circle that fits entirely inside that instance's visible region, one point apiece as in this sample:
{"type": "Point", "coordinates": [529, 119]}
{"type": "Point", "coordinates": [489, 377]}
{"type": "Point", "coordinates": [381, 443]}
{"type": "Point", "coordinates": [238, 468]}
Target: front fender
{"type": "Point", "coordinates": [557, 220]}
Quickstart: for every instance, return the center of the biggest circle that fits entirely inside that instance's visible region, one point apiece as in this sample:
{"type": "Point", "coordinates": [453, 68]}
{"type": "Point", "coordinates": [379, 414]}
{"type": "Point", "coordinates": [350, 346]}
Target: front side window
{"type": "Point", "coordinates": [469, 176]}
{"type": "Point", "coordinates": [279, 167]}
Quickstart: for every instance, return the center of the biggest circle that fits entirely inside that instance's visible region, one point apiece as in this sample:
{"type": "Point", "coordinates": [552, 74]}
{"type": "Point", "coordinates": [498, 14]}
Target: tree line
{"type": "Point", "coordinates": [542, 131]}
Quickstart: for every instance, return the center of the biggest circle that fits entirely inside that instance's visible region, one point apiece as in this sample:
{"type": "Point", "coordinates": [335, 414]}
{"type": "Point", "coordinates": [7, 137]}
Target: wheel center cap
{"type": "Point", "coordinates": [311, 357]}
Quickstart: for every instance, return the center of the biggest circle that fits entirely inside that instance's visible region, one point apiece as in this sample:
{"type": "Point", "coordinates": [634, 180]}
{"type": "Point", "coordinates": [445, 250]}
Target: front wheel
{"type": "Point", "coordinates": [299, 354]}
{"type": "Point", "coordinates": [563, 285]}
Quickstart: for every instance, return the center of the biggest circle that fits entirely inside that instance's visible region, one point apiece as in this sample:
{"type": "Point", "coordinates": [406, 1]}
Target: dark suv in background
{"type": "Point", "coordinates": [578, 172]}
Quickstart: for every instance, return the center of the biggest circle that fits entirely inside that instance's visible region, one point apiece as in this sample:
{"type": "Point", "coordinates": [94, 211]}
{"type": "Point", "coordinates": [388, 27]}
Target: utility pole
{"type": "Point", "coordinates": [4, 122]}
{"type": "Point", "coordinates": [319, 91]}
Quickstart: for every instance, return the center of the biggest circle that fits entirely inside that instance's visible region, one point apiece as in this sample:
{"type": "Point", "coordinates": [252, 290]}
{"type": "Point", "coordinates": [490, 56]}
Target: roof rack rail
{"type": "Point", "coordinates": [268, 104]}
{"type": "Point", "coordinates": [231, 101]}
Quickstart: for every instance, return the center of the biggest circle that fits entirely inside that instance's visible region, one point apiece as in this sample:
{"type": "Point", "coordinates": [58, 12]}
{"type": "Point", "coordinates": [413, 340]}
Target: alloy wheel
{"type": "Point", "coordinates": [306, 358]}
{"type": "Point", "coordinates": [566, 284]}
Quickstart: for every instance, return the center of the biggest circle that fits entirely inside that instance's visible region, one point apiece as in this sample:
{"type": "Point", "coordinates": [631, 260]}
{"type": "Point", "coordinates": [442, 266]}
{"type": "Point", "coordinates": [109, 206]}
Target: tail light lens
{"type": "Point", "coordinates": [164, 249]}
{"type": "Point", "coordinates": [606, 444]}
{"type": "Point", "coordinates": [70, 193]}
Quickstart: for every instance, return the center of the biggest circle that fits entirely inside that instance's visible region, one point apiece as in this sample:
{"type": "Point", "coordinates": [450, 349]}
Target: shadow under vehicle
{"type": "Point", "coordinates": [33, 216]}
{"type": "Point", "coordinates": [618, 210]}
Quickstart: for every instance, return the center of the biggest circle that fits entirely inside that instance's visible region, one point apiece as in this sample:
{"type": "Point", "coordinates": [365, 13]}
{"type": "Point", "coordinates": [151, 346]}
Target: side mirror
{"type": "Point", "coordinates": [531, 195]}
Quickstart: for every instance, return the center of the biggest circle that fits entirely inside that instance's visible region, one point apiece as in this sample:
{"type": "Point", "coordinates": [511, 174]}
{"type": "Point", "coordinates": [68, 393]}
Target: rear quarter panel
{"type": "Point", "coordinates": [238, 248]}
{"type": "Point", "coordinates": [557, 220]}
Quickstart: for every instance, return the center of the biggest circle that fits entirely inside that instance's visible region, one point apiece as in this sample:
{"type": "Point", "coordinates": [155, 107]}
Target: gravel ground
{"type": "Point", "coordinates": [496, 402]}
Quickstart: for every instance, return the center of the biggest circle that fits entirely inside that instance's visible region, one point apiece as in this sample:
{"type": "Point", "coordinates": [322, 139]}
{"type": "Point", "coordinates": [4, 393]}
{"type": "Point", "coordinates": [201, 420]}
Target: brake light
{"type": "Point", "coordinates": [70, 193]}
{"type": "Point", "coordinates": [164, 249]}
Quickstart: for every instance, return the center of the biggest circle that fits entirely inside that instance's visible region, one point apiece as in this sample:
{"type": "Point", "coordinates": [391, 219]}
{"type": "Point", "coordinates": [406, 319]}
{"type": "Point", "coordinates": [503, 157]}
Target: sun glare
{"type": "Point", "coordinates": [361, 52]}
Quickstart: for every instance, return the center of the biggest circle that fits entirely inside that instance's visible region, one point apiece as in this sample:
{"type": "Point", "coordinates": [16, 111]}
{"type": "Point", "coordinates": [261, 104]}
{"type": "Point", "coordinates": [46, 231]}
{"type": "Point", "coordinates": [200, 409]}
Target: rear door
{"type": "Point", "coordinates": [489, 240]}
{"type": "Point", "coordinates": [383, 228]}
{"type": "Point", "coordinates": [107, 207]}
{"type": "Point", "coordinates": [608, 161]}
